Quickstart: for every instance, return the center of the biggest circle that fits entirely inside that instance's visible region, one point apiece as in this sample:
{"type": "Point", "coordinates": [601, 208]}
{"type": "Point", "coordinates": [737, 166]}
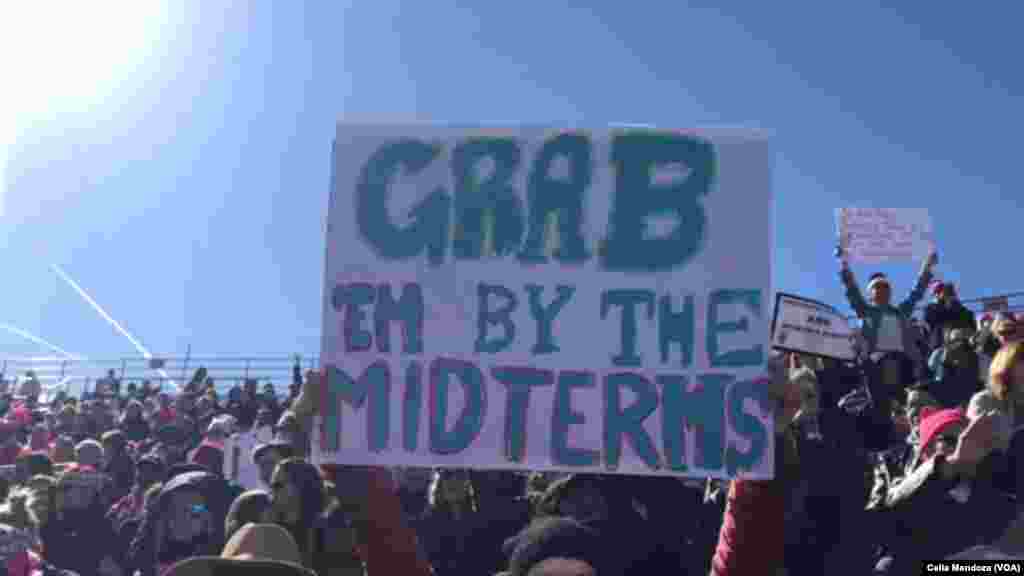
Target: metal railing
{"type": "Point", "coordinates": [78, 376]}
{"type": "Point", "coordinates": [1010, 302]}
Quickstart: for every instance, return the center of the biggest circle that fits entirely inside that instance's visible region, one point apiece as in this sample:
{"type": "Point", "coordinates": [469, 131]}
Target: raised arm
{"type": "Point", "coordinates": [924, 278]}
{"type": "Point", "coordinates": [853, 294]}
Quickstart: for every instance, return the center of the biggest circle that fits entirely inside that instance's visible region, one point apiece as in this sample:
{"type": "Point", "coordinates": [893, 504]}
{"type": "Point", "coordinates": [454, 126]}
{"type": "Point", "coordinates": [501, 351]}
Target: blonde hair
{"type": "Point", "coordinates": [1000, 372]}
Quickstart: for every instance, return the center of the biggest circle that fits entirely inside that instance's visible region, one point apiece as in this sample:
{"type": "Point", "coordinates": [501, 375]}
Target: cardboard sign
{"type": "Point", "coordinates": [874, 235]}
{"type": "Point", "coordinates": [810, 327]}
{"type": "Point", "coordinates": [458, 333]}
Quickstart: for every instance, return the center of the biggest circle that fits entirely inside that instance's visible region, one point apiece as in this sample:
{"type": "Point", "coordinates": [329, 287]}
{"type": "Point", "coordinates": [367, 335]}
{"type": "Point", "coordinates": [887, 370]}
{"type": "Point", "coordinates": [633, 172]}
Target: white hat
{"type": "Point", "coordinates": [876, 280]}
{"type": "Point", "coordinates": [223, 425]}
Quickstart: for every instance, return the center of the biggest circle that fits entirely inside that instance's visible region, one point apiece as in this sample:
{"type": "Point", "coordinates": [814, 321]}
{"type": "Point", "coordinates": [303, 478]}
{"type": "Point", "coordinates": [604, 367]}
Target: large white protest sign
{"type": "Point", "coordinates": [874, 235]}
{"type": "Point", "coordinates": [810, 327]}
{"type": "Point", "coordinates": [457, 333]}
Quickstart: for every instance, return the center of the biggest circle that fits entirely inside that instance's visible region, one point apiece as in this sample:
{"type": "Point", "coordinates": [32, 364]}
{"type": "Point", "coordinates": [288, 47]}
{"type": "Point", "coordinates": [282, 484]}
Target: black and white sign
{"type": "Point", "coordinates": [811, 327]}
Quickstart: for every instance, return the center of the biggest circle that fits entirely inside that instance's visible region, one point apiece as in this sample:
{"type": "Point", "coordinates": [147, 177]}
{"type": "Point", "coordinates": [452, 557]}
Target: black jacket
{"type": "Point", "coordinates": [940, 318]}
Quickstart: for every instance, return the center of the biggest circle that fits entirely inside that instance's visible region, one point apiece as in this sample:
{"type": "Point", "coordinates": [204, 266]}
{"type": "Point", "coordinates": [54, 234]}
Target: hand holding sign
{"type": "Point", "coordinates": [874, 235]}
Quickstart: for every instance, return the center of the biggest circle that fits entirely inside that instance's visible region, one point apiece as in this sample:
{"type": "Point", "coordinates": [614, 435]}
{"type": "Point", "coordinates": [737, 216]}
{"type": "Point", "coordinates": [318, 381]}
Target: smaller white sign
{"type": "Point", "coordinates": [874, 235]}
{"type": "Point", "coordinates": [810, 327]}
{"type": "Point", "coordinates": [238, 464]}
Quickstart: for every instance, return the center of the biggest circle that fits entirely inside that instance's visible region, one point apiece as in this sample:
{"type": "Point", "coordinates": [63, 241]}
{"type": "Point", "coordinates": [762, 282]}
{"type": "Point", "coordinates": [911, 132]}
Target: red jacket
{"type": "Point", "coordinates": [752, 536]}
{"type": "Point", "coordinates": [390, 545]}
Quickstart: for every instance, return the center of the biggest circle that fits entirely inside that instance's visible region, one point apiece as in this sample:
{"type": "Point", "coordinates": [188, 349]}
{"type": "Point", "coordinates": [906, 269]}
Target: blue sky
{"type": "Point", "coordinates": [189, 197]}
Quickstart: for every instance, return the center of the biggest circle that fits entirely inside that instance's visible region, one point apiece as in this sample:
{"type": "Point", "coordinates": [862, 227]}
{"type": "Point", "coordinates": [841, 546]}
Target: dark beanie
{"type": "Point", "coordinates": [556, 537]}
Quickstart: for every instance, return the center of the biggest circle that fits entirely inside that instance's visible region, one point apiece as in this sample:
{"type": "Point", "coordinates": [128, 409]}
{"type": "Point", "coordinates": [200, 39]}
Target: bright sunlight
{"type": "Point", "coordinates": [67, 58]}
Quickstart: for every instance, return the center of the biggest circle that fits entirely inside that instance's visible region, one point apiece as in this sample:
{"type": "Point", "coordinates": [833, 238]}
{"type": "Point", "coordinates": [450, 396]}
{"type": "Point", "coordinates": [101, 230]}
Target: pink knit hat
{"type": "Point", "coordinates": [934, 421]}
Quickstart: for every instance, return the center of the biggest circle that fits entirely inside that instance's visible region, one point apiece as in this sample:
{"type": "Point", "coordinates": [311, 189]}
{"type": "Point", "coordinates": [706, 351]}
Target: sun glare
{"type": "Point", "coordinates": [69, 57]}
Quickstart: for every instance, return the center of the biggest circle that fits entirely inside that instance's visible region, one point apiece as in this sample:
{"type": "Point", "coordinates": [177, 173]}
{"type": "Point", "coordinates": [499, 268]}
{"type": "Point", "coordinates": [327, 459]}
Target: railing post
{"type": "Point", "coordinates": [184, 368]}
{"type": "Point", "coordinates": [247, 361]}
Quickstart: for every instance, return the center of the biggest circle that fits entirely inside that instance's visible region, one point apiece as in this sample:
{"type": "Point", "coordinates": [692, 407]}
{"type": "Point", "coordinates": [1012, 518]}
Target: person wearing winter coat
{"type": "Point", "coordinates": [947, 313]}
{"type": "Point", "coordinates": [76, 537]}
{"type": "Point", "coordinates": [185, 520]}
{"type": "Point", "coordinates": [953, 479]}
{"type": "Point", "coordinates": [887, 329]}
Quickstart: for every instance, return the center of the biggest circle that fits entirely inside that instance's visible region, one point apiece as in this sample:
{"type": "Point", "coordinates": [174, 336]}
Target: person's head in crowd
{"type": "Point", "coordinates": [63, 449]}
{"type": "Point", "coordinates": [945, 292]}
{"type": "Point", "coordinates": [985, 321]}
{"type": "Point", "coordinates": [289, 429]}
{"type": "Point", "coordinates": [250, 507]}
{"type": "Point", "coordinates": [579, 496]}
{"type": "Point", "coordinates": [89, 453]}
{"type": "Point", "coordinates": [209, 456]}
{"type": "Point", "coordinates": [268, 391]}
{"type": "Point", "coordinates": [251, 388]}
{"type": "Point", "coordinates": [235, 394]}
{"type": "Point", "coordinates": [451, 490]}
{"type": "Point", "coordinates": [221, 428]}
{"type": "Point", "coordinates": [264, 417]}
{"type": "Point", "coordinates": [150, 470]}
{"type": "Point", "coordinates": [297, 493]}
{"type": "Point", "coordinates": [67, 418]}
{"type": "Point", "coordinates": [174, 440]}
{"type": "Point", "coordinates": [785, 392]}
{"type": "Point", "coordinates": [133, 411]}
{"type": "Point", "coordinates": [76, 494]}
{"type": "Point", "coordinates": [1005, 328]}
{"type": "Point", "coordinates": [807, 383]}
{"type": "Point", "coordinates": [131, 390]}
{"type": "Point", "coordinates": [879, 289]}
{"type": "Point", "coordinates": [42, 491]}
{"type": "Point", "coordinates": [114, 446]}
{"type": "Point", "coordinates": [297, 500]}
{"type": "Point", "coordinates": [1006, 373]}
{"type": "Point", "coordinates": [29, 389]}
{"type": "Point", "coordinates": [185, 522]}
{"type": "Point", "coordinates": [268, 456]}
{"type": "Point", "coordinates": [203, 406]}
{"type": "Point", "coordinates": [939, 431]}
{"type": "Point", "coordinates": [162, 452]}
{"type": "Point", "coordinates": [30, 464]}
{"type": "Point", "coordinates": [555, 546]}
{"type": "Point", "coordinates": [958, 348]}
{"type": "Point", "coordinates": [917, 401]}
{"type": "Point", "coordinates": [261, 541]}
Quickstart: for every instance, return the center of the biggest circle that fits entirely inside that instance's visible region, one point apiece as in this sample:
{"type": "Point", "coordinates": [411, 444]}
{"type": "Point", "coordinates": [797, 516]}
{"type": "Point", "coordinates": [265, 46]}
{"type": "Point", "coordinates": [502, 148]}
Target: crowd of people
{"type": "Point", "coordinates": [134, 480]}
{"type": "Point", "coordinates": [909, 454]}
{"type": "Point", "coordinates": [905, 455]}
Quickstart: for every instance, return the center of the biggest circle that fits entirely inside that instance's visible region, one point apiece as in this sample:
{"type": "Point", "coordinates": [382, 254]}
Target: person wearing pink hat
{"type": "Point", "coordinates": [951, 478]}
